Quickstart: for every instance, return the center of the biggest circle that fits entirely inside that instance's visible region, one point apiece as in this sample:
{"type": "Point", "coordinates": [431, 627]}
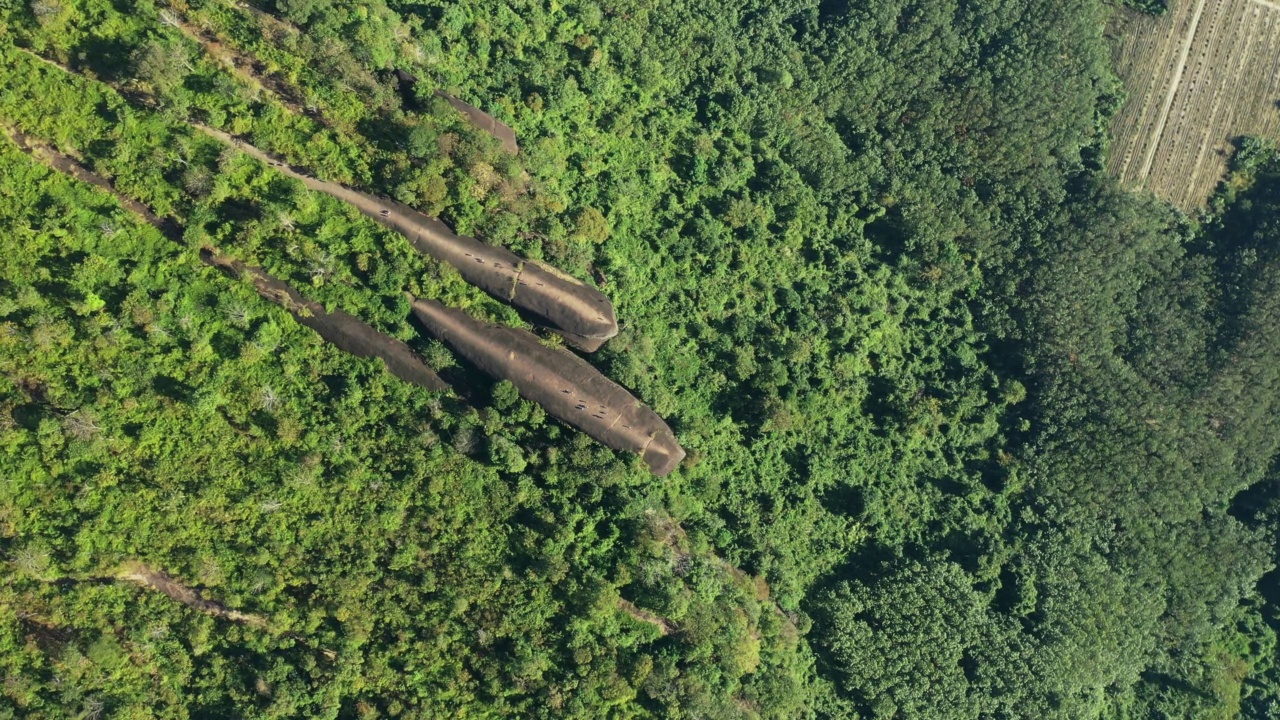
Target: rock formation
{"type": "Point", "coordinates": [344, 330]}
{"type": "Point", "coordinates": [565, 304]}
{"type": "Point", "coordinates": [484, 121]}
{"type": "Point", "coordinates": [565, 385]}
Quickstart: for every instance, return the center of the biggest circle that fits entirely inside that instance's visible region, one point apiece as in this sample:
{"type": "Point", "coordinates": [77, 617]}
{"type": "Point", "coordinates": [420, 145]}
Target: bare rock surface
{"type": "Point", "coordinates": [69, 166]}
{"type": "Point", "coordinates": [553, 298]}
{"type": "Point", "coordinates": [344, 330]}
{"type": "Point", "coordinates": [483, 120]}
{"type": "Point", "coordinates": [565, 385]}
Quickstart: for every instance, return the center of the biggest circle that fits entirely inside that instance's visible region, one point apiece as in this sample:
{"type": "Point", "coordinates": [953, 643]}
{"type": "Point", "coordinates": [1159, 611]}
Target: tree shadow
{"type": "Point", "coordinates": [108, 58]}
{"type": "Point", "coordinates": [172, 388]}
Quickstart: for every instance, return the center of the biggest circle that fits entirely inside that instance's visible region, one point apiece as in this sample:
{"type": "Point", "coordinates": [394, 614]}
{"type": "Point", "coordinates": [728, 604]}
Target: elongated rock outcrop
{"type": "Point", "coordinates": [483, 120]}
{"type": "Point", "coordinates": [499, 130]}
{"type": "Point", "coordinates": [68, 166]}
{"type": "Point", "coordinates": [343, 330]}
{"type": "Point", "coordinates": [553, 298]}
{"type": "Point", "coordinates": [565, 385]}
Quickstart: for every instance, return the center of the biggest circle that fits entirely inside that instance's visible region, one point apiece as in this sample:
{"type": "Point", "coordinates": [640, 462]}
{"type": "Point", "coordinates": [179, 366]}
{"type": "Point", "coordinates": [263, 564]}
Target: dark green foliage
{"type": "Point", "coordinates": [1151, 7]}
{"type": "Point", "coordinates": [972, 433]}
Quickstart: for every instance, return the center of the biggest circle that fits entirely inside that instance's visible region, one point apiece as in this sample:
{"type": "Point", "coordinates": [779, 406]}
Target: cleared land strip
{"type": "Point", "coordinates": [1147, 52]}
{"type": "Point", "coordinates": [556, 300]}
{"type": "Point", "coordinates": [1195, 153]}
{"type": "Point", "coordinates": [1181, 68]}
{"type": "Point", "coordinates": [1196, 79]}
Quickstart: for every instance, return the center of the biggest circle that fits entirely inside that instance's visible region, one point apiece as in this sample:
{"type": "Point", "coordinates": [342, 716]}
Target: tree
{"type": "Point", "coordinates": [160, 66]}
{"type": "Point", "coordinates": [590, 226]}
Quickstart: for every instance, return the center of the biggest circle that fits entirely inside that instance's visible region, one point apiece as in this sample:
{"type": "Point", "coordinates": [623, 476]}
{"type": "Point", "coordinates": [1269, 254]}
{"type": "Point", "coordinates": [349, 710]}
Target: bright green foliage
{"type": "Point", "coordinates": [972, 433]}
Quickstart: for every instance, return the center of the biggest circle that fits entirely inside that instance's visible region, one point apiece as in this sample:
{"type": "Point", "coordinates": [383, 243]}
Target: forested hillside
{"type": "Point", "coordinates": [970, 432]}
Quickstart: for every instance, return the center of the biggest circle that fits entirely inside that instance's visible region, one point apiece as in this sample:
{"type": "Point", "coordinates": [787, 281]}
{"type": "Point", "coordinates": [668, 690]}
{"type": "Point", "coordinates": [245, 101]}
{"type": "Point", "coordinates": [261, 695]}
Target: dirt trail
{"type": "Point", "coordinates": [344, 331]}
{"type": "Point", "coordinates": [146, 577]}
{"type": "Point", "coordinates": [565, 385]}
{"type": "Point", "coordinates": [555, 299]}
{"type": "Point", "coordinates": [628, 607]}
{"type": "Point", "coordinates": [1158, 130]}
{"type": "Point", "coordinates": [149, 578]}
{"type": "Point", "coordinates": [666, 530]}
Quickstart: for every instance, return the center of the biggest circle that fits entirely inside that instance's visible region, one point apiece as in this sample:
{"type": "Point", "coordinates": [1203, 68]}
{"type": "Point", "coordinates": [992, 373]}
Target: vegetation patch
{"type": "Point", "coordinates": [969, 430]}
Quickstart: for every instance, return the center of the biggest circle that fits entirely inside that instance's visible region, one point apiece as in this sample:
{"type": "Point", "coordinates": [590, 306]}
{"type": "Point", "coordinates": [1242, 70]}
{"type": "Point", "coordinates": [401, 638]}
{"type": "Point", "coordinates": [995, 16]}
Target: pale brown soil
{"type": "Point", "coordinates": [565, 385]}
{"type": "Point", "coordinates": [553, 298]}
{"type": "Point", "coordinates": [669, 532]}
{"type": "Point", "coordinates": [644, 616]}
{"type": "Point", "coordinates": [1203, 74]}
{"type": "Point", "coordinates": [152, 579]}
{"type": "Point", "coordinates": [144, 576]}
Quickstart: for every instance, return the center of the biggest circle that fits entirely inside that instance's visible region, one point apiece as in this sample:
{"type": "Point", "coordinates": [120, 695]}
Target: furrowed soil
{"type": "Point", "coordinates": [1198, 77]}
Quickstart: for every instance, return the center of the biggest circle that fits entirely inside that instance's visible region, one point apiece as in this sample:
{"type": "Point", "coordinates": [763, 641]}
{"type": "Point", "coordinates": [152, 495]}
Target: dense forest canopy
{"type": "Point", "coordinates": [971, 432]}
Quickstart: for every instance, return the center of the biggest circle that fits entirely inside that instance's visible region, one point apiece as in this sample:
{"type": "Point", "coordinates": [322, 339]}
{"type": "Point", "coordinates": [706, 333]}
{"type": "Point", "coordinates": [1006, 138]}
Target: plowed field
{"type": "Point", "coordinates": [1204, 73]}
